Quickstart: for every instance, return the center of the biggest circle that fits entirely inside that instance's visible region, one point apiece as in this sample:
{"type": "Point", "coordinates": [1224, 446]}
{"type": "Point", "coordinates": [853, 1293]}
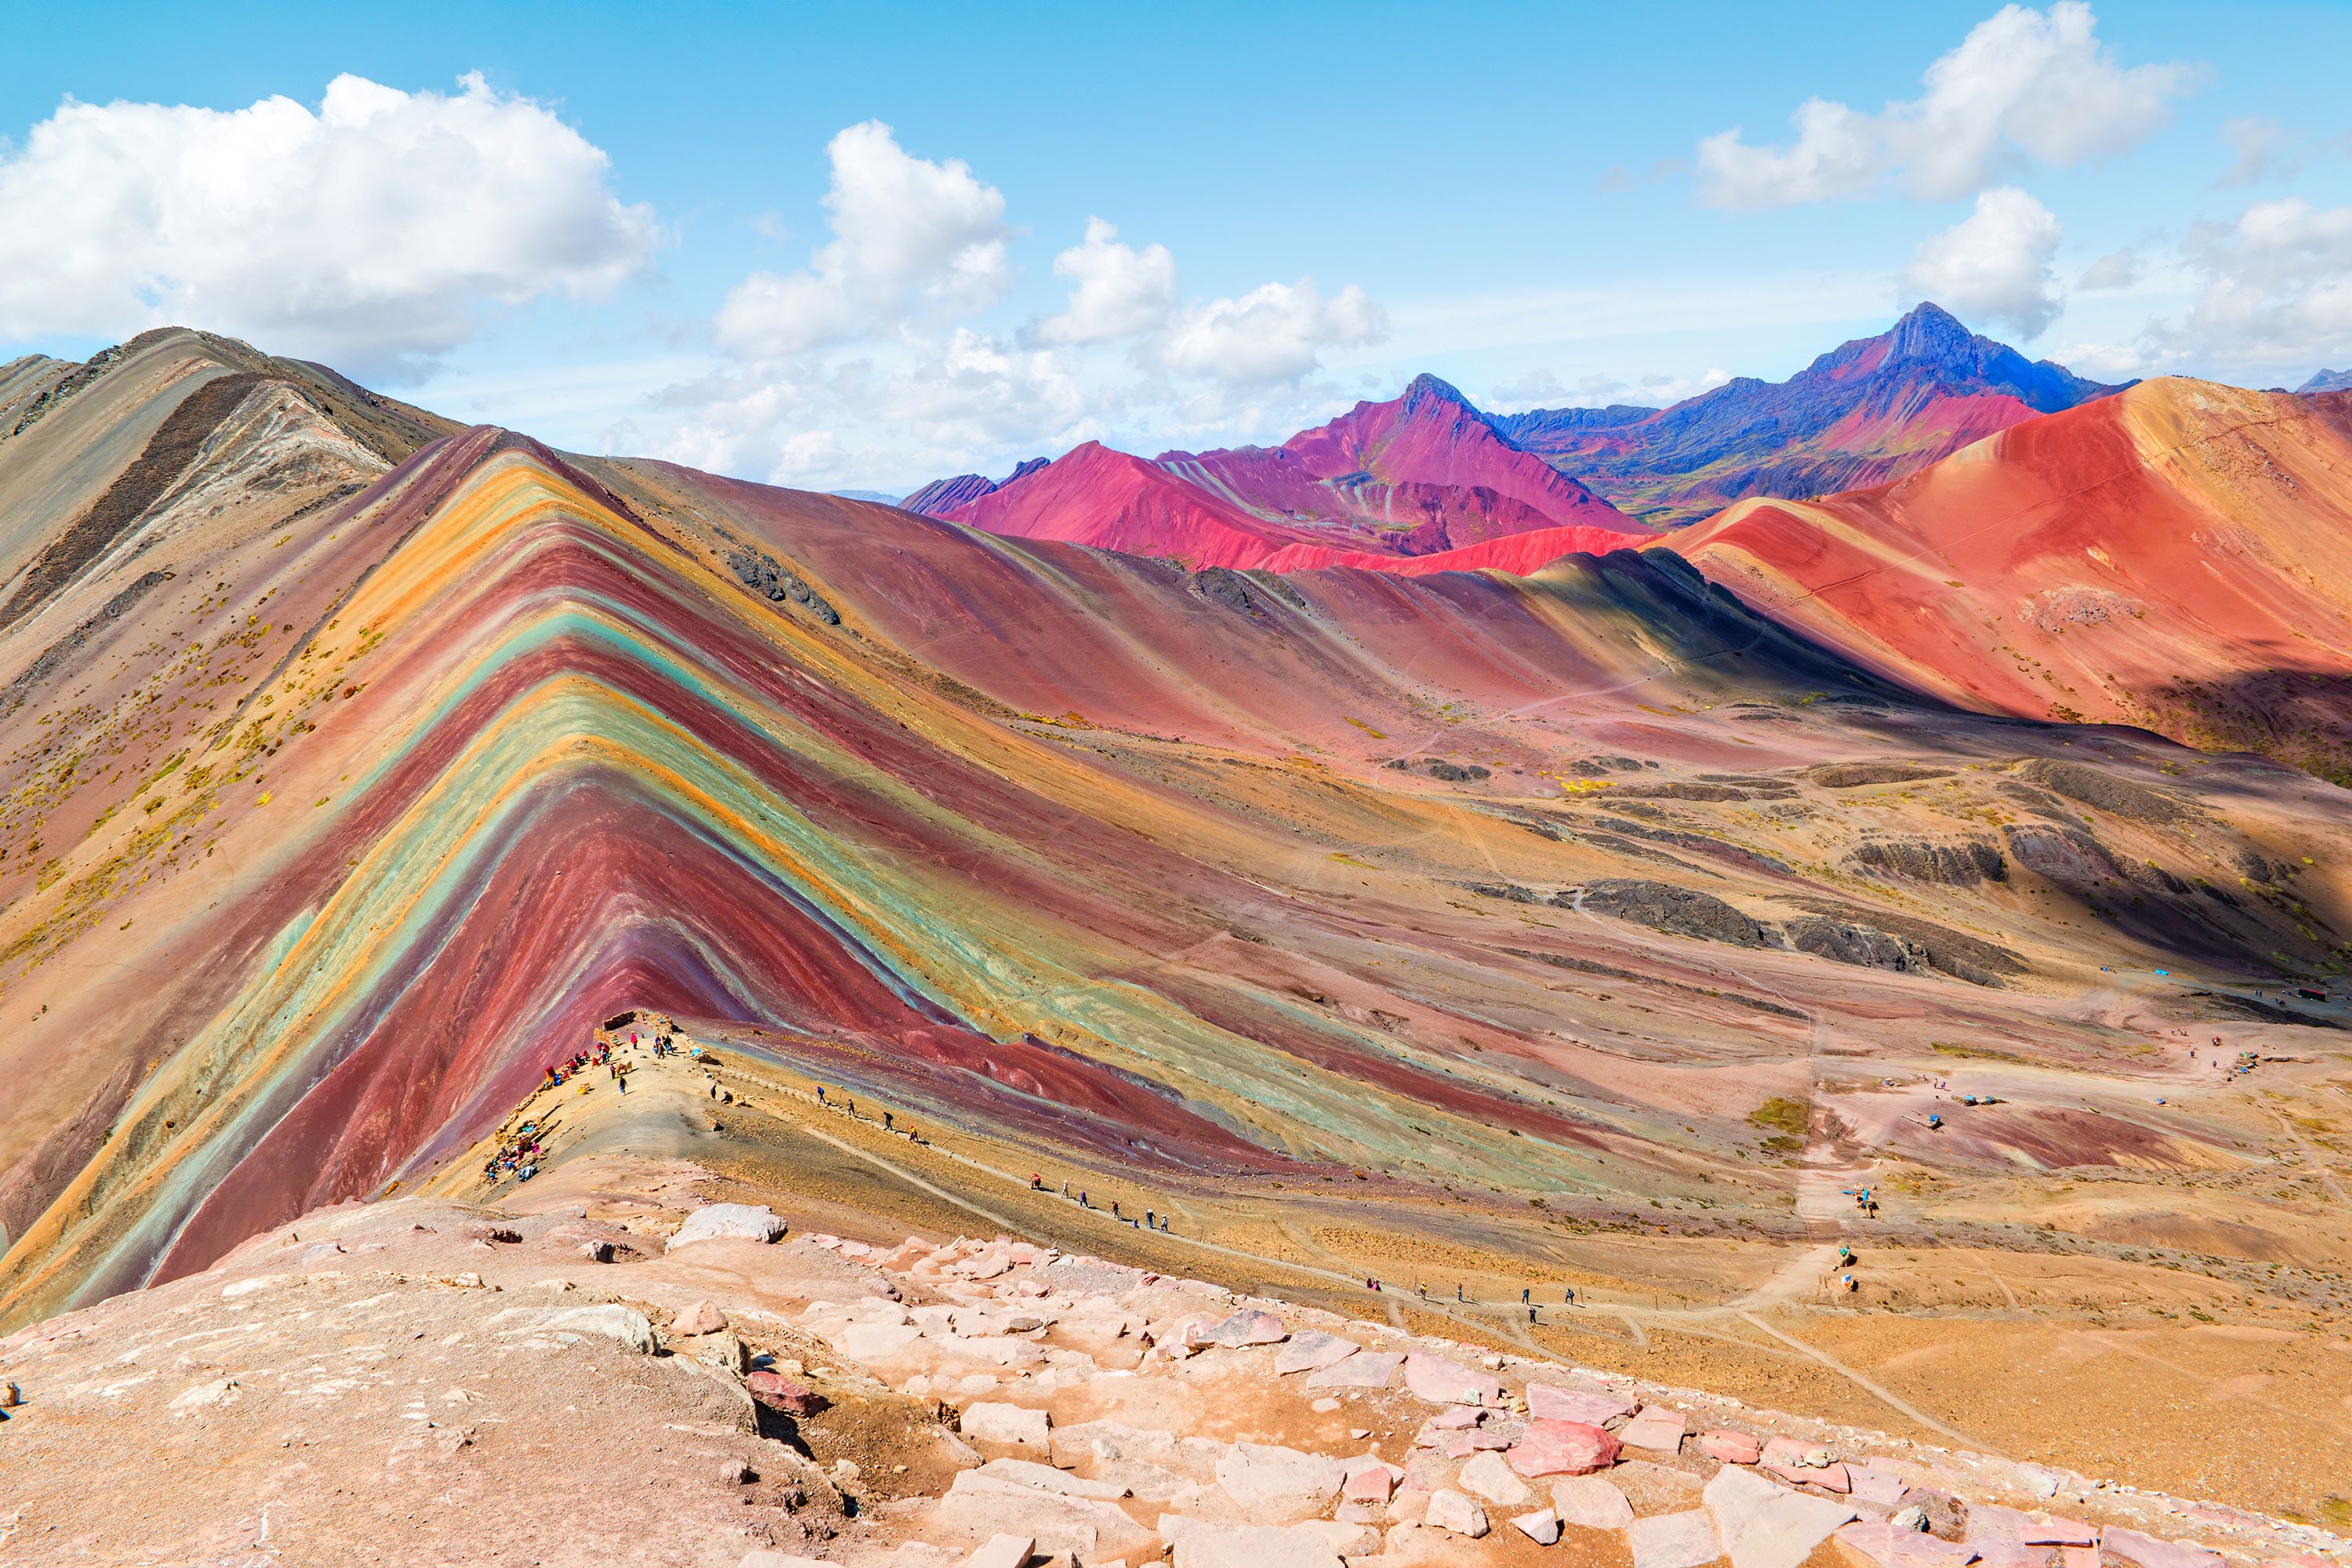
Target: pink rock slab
{"type": "Point", "coordinates": [1566, 1448]}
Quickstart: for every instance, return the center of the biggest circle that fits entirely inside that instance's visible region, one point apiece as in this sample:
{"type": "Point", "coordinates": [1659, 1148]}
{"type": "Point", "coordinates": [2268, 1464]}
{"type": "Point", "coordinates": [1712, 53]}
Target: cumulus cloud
{"type": "Point", "coordinates": [379, 230]}
{"type": "Point", "coordinates": [2275, 288]}
{"type": "Point", "coordinates": [907, 232]}
{"type": "Point", "coordinates": [1993, 265]}
{"type": "Point", "coordinates": [1117, 292]}
{"type": "Point", "coordinates": [1274, 333]}
{"type": "Point", "coordinates": [2022, 84]}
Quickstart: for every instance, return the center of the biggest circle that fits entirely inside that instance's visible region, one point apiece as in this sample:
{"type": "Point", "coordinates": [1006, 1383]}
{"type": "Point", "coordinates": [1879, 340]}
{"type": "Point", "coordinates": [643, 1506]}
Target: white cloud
{"type": "Point", "coordinates": [1117, 292]}
{"type": "Point", "coordinates": [963, 401]}
{"type": "Point", "coordinates": [378, 231]}
{"type": "Point", "coordinates": [1535, 389]}
{"type": "Point", "coordinates": [2256, 143]}
{"type": "Point", "coordinates": [2276, 289]}
{"type": "Point", "coordinates": [1993, 265]}
{"type": "Point", "coordinates": [809, 457]}
{"type": "Point", "coordinates": [2022, 84]}
{"type": "Point", "coordinates": [1542, 389]}
{"type": "Point", "coordinates": [2115, 270]}
{"type": "Point", "coordinates": [1274, 333]}
{"type": "Point", "coordinates": [906, 231]}
{"type": "Point", "coordinates": [977, 391]}
{"type": "Point", "coordinates": [1837, 153]}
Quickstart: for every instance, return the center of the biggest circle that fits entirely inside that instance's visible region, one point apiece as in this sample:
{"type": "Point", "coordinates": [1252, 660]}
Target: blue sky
{"type": "Point", "coordinates": [1516, 198]}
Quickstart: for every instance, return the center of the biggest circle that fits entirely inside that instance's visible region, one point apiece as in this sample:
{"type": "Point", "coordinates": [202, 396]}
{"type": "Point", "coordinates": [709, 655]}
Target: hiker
{"type": "Point", "coordinates": [1150, 1220]}
{"type": "Point", "coordinates": [886, 1122]}
{"type": "Point", "coordinates": [820, 1094]}
{"type": "Point", "coordinates": [1457, 1292]}
{"type": "Point", "coordinates": [1066, 1187]}
{"type": "Point", "coordinates": [1531, 1312]}
{"type": "Point", "coordinates": [1036, 1183]}
{"type": "Point", "coordinates": [1421, 1290]}
{"type": "Point", "coordinates": [1114, 1208]}
{"type": "Point", "coordinates": [1082, 1199]}
{"type": "Point", "coordinates": [1524, 1296]}
{"type": "Point", "coordinates": [1568, 1294]}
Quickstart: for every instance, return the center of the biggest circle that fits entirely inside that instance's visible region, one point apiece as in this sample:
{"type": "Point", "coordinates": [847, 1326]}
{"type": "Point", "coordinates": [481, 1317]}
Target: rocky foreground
{"type": "Point", "coordinates": [410, 1382]}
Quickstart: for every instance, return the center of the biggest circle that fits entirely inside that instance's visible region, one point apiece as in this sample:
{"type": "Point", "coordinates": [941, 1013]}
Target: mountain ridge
{"type": "Point", "coordinates": [1866, 413]}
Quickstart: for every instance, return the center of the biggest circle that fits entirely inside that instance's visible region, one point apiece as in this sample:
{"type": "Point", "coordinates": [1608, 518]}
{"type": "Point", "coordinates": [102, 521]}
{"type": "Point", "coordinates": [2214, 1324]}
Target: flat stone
{"type": "Point", "coordinates": [2149, 1552]}
{"type": "Point", "coordinates": [626, 1325]}
{"type": "Point", "coordinates": [1563, 1449]}
{"type": "Point", "coordinates": [1674, 1540]}
{"type": "Point", "coordinates": [1880, 1542]}
{"type": "Point", "coordinates": [1367, 1369]}
{"type": "Point", "coordinates": [1450, 1510]}
{"type": "Point", "coordinates": [1875, 1487]}
{"type": "Point", "coordinates": [1047, 1479]}
{"type": "Point", "coordinates": [979, 1507]}
{"type": "Point", "coordinates": [1312, 1350]}
{"type": "Point", "coordinates": [1274, 1485]}
{"type": "Point", "coordinates": [1993, 1532]}
{"type": "Point", "coordinates": [1656, 1428]}
{"type": "Point", "coordinates": [1003, 1552]}
{"type": "Point", "coordinates": [1764, 1526]}
{"type": "Point", "coordinates": [1541, 1527]}
{"type": "Point", "coordinates": [1492, 1478]}
{"type": "Point", "coordinates": [1369, 1483]}
{"type": "Point", "coordinates": [1730, 1448]}
{"type": "Point", "coordinates": [990, 1422]}
{"type": "Point", "coordinates": [755, 1222]}
{"type": "Point", "coordinates": [1547, 1402]}
{"type": "Point", "coordinates": [1461, 1418]}
{"type": "Point", "coordinates": [702, 1318]}
{"type": "Point", "coordinates": [1443, 1382]}
{"type": "Point", "coordinates": [1200, 1544]}
{"type": "Point", "coordinates": [1246, 1328]}
{"type": "Point", "coordinates": [1590, 1502]}
{"type": "Point", "coordinates": [873, 1341]}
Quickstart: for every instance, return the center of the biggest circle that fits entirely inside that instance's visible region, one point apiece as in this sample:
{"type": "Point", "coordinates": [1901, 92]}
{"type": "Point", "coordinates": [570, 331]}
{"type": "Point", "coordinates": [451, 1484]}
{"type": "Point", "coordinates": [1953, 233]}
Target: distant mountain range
{"type": "Point", "coordinates": [1419, 478]}
{"type": "Point", "coordinates": [2326, 381]}
{"type": "Point", "coordinates": [1866, 413]}
{"type": "Point", "coordinates": [1426, 476]}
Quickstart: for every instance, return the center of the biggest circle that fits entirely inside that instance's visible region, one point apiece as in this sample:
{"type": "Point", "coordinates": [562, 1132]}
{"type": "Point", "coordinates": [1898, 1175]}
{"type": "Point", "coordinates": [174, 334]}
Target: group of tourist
{"type": "Point", "coordinates": [519, 1156]}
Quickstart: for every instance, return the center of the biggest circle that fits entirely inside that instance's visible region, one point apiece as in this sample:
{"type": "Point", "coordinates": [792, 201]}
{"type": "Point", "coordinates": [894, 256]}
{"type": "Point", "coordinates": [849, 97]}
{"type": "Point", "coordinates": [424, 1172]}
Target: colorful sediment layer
{"type": "Point", "coordinates": [356, 774]}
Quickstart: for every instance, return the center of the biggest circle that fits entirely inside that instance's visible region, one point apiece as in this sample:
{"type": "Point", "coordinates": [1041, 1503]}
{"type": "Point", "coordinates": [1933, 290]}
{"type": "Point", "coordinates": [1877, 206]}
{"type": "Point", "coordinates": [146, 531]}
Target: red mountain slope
{"type": "Point", "coordinates": [1420, 477]}
{"type": "Point", "coordinates": [1419, 474]}
{"type": "Point", "coordinates": [2179, 555]}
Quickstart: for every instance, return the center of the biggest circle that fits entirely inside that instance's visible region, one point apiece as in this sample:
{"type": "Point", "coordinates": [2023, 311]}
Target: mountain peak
{"type": "Point", "coordinates": [1426, 389]}
{"type": "Point", "coordinates": [1928, 331]}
